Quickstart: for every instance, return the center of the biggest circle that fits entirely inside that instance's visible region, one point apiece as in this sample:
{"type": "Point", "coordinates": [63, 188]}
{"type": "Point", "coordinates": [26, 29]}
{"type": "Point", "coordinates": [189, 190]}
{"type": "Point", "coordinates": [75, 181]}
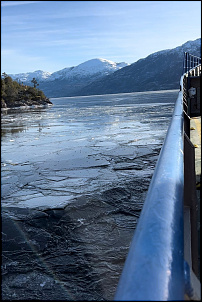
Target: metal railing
{"type": "Point", "coordinates": [190, 62]}
{"type": "Point", "coordinates": [155, 268]}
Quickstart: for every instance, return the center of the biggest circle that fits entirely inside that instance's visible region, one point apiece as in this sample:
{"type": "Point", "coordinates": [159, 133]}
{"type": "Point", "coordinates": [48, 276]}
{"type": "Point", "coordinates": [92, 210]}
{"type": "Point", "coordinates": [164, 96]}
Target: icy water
{"type": "Point", "coordinates": [74, 179]}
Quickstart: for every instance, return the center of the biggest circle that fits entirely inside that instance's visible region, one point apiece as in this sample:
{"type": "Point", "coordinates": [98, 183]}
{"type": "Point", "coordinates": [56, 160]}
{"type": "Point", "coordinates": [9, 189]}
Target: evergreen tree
{"type": "Point", "coordinates": [4, 75]}
{"type": "Point", "coordinates": [34, 81]}
{"type": "Point", "coordinates": [3, 88]}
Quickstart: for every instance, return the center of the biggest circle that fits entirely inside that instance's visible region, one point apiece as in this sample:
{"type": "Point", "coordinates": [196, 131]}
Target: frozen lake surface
{"type": "Point", "coordinates": [79, 145]}
{"type": "Point", "coordinates": [74, 179]}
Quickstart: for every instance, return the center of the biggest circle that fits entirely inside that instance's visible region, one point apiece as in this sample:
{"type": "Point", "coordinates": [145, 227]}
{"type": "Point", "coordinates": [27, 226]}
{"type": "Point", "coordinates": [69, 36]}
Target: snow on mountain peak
{"type": "Point", "coordinates": [188, 46]}
{"type": "Point", "coordinates": [97, 65]}
{"type": "Point", "coordinates": [28, 76]}
{"type": "Point", "coordinates": [91, 67]}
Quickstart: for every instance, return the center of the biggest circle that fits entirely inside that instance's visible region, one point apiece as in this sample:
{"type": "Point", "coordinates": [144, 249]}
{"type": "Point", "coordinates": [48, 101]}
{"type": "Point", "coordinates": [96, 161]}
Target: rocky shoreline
{"type": "Point", "coordinates": [26, 104]}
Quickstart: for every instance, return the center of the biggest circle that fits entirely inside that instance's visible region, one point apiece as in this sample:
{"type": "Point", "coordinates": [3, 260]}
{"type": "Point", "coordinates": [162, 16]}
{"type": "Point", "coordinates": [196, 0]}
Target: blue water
{"type": "Point", "coordinates": [56, 148]}
{"type": "Point", "coordinates": [74, 179]}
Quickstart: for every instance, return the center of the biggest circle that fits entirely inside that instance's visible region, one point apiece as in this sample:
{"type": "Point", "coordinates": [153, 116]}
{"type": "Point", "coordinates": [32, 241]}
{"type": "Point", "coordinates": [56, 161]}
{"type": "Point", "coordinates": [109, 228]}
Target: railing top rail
{"type": "Point", "coordinates": [154, 268]}
{"type": "Point", "coordinates": [193, 69]}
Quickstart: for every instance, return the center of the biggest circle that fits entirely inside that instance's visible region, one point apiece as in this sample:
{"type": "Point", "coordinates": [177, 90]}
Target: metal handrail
{"type": "Point", "coordinates": [154, 268]}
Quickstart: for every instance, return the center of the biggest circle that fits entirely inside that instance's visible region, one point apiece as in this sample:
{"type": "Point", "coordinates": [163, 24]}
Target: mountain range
{"type": "Point", "coordinates": [158, 71]}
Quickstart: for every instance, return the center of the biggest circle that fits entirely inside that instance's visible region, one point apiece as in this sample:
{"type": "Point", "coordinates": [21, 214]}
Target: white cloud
{"type": "Point", "coordinates": [14, 3]}
{"type": "Point", "coordinates": [62, 33]}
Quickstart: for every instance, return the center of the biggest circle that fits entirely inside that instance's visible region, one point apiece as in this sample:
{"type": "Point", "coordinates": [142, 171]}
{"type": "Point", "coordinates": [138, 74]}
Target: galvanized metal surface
{"type": "Point", "coordinates": [154, 268]}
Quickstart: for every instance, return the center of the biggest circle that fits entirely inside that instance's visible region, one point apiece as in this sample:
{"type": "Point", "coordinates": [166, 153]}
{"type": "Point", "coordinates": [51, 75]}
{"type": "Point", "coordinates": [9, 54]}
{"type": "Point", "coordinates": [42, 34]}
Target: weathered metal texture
{"type": "Point", "coordinates": [154, 268]}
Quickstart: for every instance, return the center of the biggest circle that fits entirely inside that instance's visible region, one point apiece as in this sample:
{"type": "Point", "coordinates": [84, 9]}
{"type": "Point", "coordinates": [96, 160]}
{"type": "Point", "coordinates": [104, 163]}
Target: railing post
{"type": "Point", "coordinates": [186, 62]}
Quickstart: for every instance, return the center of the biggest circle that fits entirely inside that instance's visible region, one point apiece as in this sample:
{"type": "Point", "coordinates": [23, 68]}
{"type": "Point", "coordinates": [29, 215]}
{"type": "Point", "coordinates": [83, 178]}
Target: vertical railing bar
{"type": "Point", "coordinates": [187, 62]}
{"type": "Point", "coordinates": [184, 63]}
{"type": "Point", "coordinates": [191, 61]}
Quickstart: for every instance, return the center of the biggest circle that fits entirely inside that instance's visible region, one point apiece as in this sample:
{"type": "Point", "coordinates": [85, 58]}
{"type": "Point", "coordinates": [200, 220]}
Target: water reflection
{"type": "Point", "coordinates": [18, 120]}
{"type": "Point", "coordinates": [13, 130]}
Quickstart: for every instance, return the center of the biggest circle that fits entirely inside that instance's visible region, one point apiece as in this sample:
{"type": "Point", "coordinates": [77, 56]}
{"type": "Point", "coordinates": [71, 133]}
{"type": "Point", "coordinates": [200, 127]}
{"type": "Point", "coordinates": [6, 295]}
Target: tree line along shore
{"type": "Point", "coordinates": [16, 94]}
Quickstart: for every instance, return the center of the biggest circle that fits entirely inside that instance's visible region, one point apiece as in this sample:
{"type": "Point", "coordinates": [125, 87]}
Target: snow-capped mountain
{"type": "Point", "coordinates": [61, 74]}
{"type": "Point", "coordinates": [95, 67]}
{"type": "Point", "coordinates": [67, 81]}
{"type": "Point", "coordinates": [28, 76]}
{"type": "Point", "coordinates": [190, 46]}
{"type": "Point", "coordinates": [89, 68]}
{"type": "Point", "coordinates": [158, 71]}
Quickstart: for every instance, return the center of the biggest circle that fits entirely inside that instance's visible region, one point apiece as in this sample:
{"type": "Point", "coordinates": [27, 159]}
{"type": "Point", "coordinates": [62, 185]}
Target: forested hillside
{"type": "Point", "coordinates": [15, 94]}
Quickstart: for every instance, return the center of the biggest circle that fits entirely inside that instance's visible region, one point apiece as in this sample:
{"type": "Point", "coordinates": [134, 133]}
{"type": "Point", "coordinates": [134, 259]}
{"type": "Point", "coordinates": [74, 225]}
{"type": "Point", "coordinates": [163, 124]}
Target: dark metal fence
{"type": "Point", "coordinates": [190, 62]}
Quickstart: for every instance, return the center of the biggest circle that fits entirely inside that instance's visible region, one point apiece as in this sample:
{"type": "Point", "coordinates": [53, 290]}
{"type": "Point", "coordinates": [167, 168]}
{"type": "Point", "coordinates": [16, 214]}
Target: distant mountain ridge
{"type": "Point", "coordinates": [87, 68]}
{"type": "Point", "coordinates": [70, 79]}
{"type": "Point", "coordinates": [28, 76]}
{"type": "Point", "coordinates": [158, 71]}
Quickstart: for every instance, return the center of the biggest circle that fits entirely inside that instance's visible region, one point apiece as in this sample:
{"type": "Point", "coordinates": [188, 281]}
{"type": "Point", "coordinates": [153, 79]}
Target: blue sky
{"type": "Point", "coordinates": [52, 35]}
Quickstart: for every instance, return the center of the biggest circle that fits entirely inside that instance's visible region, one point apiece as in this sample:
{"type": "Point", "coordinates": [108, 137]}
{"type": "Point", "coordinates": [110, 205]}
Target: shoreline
{"type": "Point", "coordinates": [27, 107]}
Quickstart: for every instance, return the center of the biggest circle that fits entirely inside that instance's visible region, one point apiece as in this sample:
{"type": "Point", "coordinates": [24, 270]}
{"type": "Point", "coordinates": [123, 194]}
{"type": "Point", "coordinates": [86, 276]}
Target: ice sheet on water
{"type": "Point", "coordinates": [82, 137]}
{"type": "Point", "coordinates": [76, 192]}
{"type": "Point", "coordinates": [41, 202]}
